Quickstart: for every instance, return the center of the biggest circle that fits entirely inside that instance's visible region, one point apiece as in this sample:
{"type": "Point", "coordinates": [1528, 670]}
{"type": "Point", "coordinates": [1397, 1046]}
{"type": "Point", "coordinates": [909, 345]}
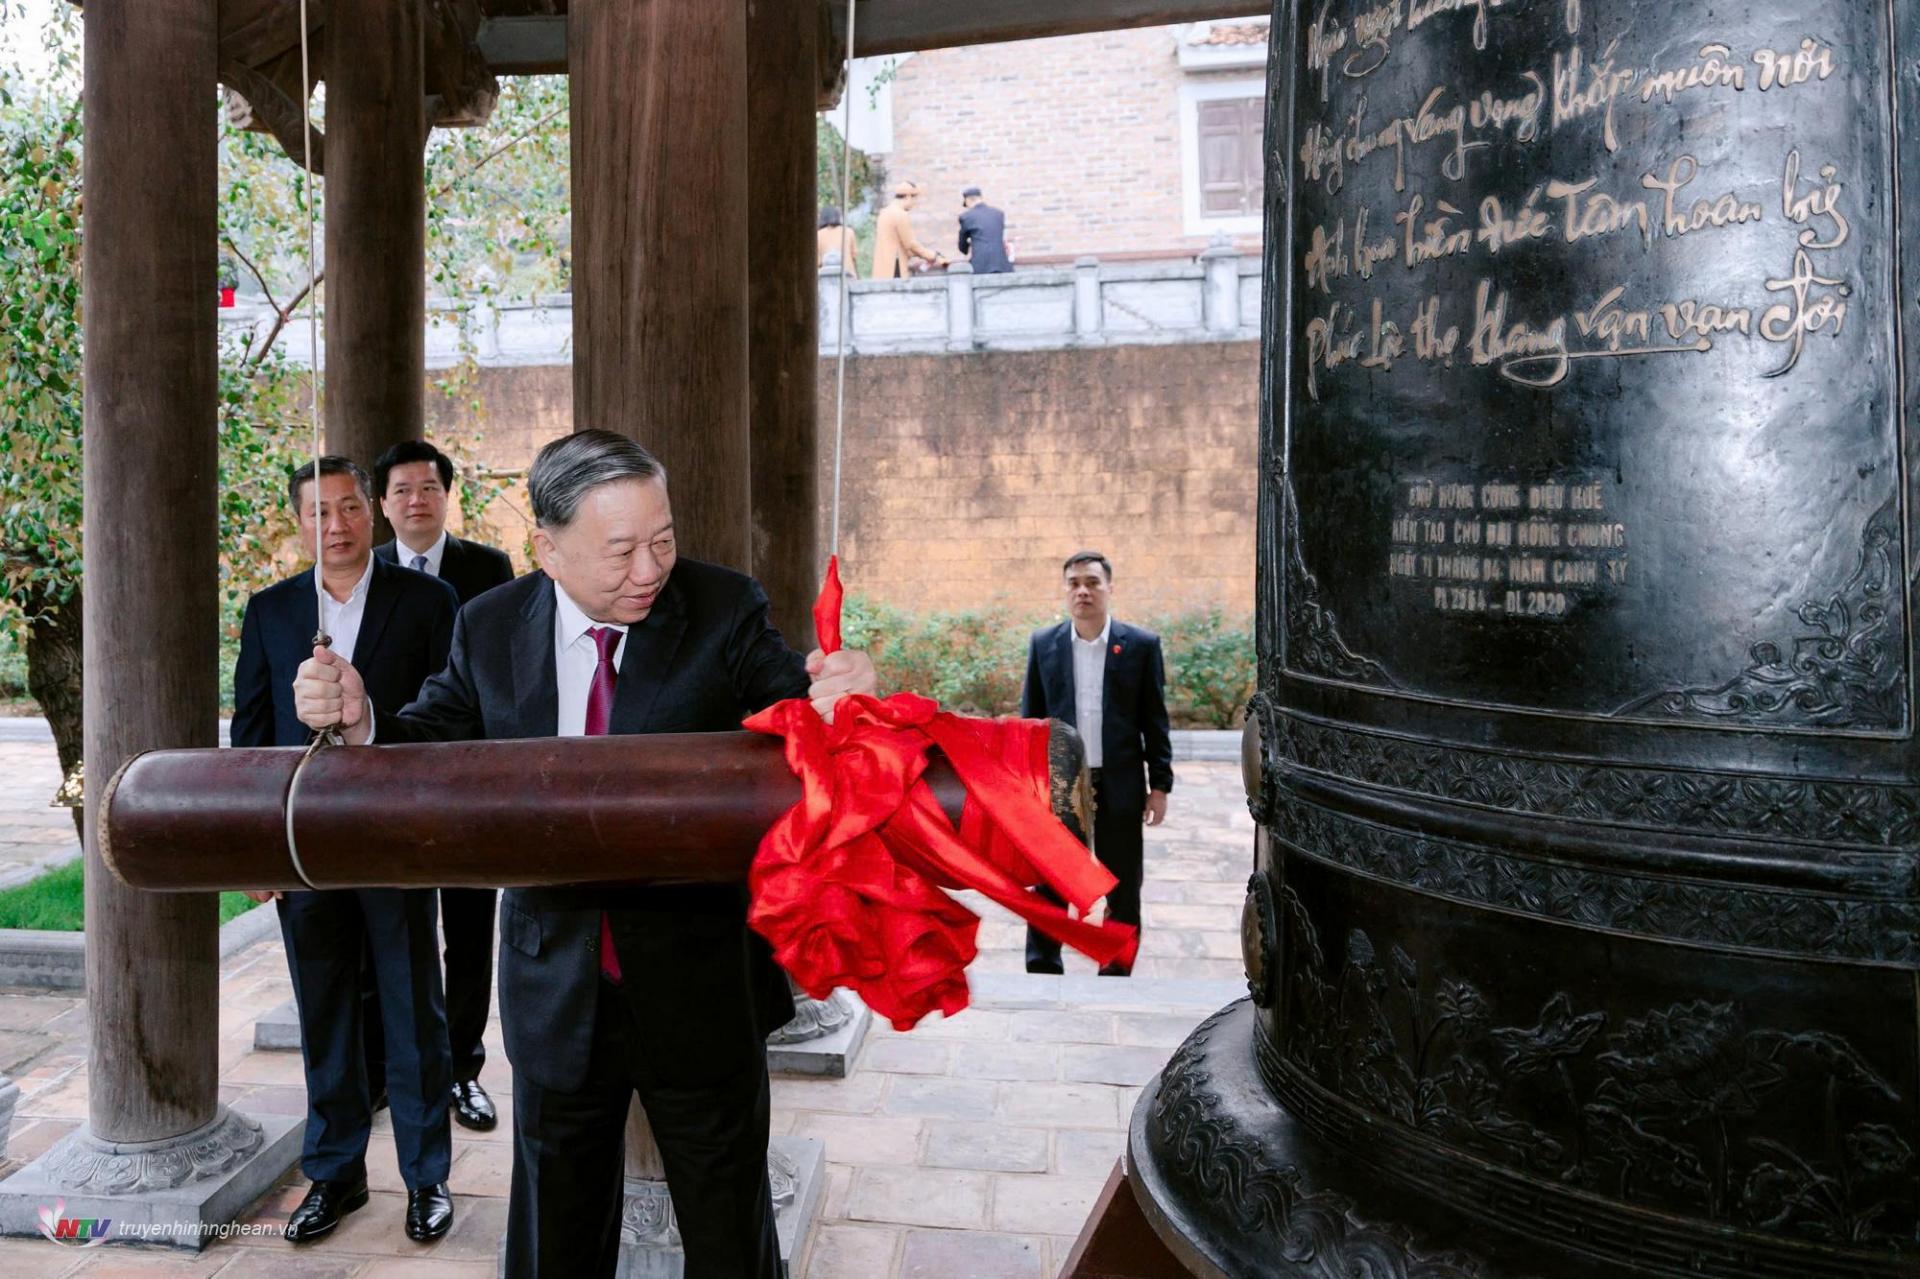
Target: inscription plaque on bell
{"type": "Point", "coordinates": [1594, 370]}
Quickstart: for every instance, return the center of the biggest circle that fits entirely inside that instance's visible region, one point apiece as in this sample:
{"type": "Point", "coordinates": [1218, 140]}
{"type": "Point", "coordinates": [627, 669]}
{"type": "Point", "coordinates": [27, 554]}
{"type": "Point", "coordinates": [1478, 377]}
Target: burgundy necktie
{"type": "Point", "coordinates": [599, 714]}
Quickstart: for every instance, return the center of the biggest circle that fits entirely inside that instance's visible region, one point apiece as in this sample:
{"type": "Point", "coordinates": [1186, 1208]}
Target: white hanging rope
{"type": "Point", "coordinates": [840, 344]}
{"type": "Point", "coordinates": [320, 635]}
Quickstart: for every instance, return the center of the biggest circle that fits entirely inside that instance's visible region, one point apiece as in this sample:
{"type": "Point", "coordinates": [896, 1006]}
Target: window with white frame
{"type": "Point", "coordinates": [1222, 124]}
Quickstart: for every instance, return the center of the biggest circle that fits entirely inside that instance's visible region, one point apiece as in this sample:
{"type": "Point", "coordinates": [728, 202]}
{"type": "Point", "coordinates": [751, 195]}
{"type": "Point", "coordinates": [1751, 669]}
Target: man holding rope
{"type": "Point", "coordinates": [397, 625]}
{"type": "Point", "coordinates": [610, 991]}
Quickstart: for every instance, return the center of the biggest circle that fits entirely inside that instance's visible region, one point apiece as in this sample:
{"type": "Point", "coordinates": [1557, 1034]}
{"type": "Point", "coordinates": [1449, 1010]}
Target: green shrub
{"type": "Point", "coordinates": [975, 661]}
{"type": "Point", "coordinates": [971, 662]}
{"type": "Point", "coordinates": [1211, 668]}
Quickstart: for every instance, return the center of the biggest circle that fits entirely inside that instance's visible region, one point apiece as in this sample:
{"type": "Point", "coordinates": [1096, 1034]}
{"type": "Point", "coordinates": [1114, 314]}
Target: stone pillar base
{"type": "Point", "coordinates": [823, 1039]}
{"type": "Point", "coordinates": [159, 1192]}
{"type": "Point", "coordinates": [836, 1027]}
{"type": "Point", "coordinates": [278, 1030]}
{"type": "Point", "coordinates": [650, 1237]}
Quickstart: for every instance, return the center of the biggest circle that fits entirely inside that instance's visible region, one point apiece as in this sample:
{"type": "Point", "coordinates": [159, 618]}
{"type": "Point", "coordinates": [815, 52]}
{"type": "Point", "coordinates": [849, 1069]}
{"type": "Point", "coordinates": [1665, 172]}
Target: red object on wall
{"type": "Point", "coordinates": [226, 296]}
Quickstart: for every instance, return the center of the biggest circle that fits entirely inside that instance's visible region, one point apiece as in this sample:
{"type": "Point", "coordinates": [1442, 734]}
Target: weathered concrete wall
{"type": "Point", "coordinates": [967, 478]}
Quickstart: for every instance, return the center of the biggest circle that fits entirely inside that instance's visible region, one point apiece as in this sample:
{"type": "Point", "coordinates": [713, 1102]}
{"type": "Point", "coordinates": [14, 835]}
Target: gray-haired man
{"type": "Point", "coordinates": [605, 993]}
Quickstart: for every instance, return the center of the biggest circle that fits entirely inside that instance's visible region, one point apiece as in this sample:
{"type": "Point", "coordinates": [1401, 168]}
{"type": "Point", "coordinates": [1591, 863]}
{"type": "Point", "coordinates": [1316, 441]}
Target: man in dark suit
{"type": "Point", "coordinates": [397, 626]}
{"type": "Point", "coordinates": [1109, 680]}
{"type": "Point", "coordinates": [983, 234]}
{"type": "Point", "coordinates": [614, 990]}
{"type": "Point", "coordinates": [412, 480]}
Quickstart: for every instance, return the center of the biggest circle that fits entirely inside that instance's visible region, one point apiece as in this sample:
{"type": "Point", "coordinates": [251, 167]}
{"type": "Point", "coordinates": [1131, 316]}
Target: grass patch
{"type": "Point", "coordinates": [53, 901]}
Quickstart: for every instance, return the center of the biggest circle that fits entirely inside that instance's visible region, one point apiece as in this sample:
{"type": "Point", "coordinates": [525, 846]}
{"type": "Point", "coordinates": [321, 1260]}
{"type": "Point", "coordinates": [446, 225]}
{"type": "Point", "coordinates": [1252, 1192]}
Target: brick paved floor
{"type": "Point", "coordinates": [969, 1148]}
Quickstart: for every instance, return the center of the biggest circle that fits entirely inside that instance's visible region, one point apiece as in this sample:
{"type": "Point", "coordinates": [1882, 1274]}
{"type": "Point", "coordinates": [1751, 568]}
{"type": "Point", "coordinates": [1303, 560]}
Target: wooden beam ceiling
{"type": "Point", "coordinates": [537, 44]}
{"type": "Point", "coordinates": [525, 46]}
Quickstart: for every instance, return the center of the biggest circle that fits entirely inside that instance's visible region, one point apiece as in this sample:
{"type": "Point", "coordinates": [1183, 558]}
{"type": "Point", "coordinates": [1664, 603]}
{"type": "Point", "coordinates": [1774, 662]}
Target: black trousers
{"type": "Point", "coordinates": [329, 935]}
{"type": "Point", "coordinates": [466, 927]}
{"type": "Point", "coordinates": [569, 1154]}
{"type": "Point", "coordinates": [1119, 844]}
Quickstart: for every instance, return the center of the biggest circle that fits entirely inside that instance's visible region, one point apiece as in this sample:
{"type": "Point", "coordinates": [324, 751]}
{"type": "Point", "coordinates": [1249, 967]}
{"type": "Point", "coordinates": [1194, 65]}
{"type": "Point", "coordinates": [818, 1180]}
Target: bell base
{"type": "Point", "coordinates": [1236, 1186]}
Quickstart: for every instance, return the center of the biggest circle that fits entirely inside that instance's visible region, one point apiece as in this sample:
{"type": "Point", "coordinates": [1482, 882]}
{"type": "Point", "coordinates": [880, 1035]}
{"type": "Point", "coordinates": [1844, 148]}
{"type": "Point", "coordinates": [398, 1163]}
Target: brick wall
{"type": "Point", "coordinates": [1076, 138]}
{"type": "Point", "coordinates": [968, 478]}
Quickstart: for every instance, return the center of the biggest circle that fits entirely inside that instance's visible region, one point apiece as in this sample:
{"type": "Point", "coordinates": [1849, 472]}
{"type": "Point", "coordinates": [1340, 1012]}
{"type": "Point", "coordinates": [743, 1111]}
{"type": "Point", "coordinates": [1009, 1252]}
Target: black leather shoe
{"type": "Point", "coordinates": [1115, 970]}
{"type": "Point", "coordinates": [472, 1108]}
{"type": "Point", "coordinates": [321, 1210]}
{"type": "Point", "coordinates": [429, 1212]}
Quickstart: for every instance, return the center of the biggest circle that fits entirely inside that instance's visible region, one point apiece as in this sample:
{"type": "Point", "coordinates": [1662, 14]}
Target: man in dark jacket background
{"type": "Point", "coordinates": [413, 481]}
{"type": "Point", "coordinates": [1108, 680]}
{"type": "Point", "coordinates": [983, 234]}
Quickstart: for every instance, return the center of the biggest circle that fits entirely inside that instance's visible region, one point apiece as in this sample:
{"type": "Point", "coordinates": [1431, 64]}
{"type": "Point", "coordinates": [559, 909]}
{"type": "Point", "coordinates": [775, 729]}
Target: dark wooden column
{"type": "Point", "coordinates": [152, 561]}
{"type": "Point", "coordinates": [659, 115]}
{"type": "Point", "coordinates": [376, 291]}
{"type": "Point", "coordinates": [783, 312]}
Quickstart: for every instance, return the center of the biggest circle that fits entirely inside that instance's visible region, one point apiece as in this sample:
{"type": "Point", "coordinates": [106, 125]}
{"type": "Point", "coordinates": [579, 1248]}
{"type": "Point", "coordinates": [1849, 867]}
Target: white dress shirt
{"type": "Point", "coordinates": [406, 554]}
{"type": "Point", "coordinates": [575, 658]}
{"type": "Point", "coordinates": [1089, 687]}
{"type": "Point", "coordinates": [341, 619]}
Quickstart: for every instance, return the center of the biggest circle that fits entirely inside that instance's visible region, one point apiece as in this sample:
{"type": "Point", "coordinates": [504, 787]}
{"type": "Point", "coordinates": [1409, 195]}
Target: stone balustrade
{"type": "Point", "coordinates": [1214, 297]}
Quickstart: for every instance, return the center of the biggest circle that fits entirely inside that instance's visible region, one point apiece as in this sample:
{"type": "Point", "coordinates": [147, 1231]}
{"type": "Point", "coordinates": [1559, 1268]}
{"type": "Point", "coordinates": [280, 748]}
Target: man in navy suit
{"type": "Point", "coordinates": [611, 990]}
{"type": "Point", "coordinates": [397, 625]}
{"type": "Point", "coordinates": [412, 480]}
{"type": "Point", "coordinates": [1109, 680]}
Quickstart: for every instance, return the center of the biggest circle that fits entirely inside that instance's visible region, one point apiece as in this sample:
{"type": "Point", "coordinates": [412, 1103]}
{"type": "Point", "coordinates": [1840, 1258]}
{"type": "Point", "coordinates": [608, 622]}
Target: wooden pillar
{"type": "Point", "coordinates": [152, 560]}
{"type": "Point", "coordinates": [783, 308]}
{"type": "Point", "coordinates": [658, 111]}
{"type": "Point", "coordinates": [376, 290]}
{"type": "Point", "coordinates": [659, 117]}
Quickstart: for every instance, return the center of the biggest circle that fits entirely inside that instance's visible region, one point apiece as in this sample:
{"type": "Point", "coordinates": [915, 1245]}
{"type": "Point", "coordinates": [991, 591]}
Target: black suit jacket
{"type": "Point", "coordinates": [1134, 737]}
{"type": "Point", "coordinates": [703, 659]}
{"type": "Point", "coordinates": [983, 237]}
{"type": "Point", "coordinates": [405, 632]}
{"type": "Point", "coordinates": [470, 568]}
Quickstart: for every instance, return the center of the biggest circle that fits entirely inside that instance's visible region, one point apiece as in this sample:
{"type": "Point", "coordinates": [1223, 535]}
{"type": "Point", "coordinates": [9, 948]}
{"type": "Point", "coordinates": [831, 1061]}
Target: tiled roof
{"type": "Point", "coordinates": [1228, 33]}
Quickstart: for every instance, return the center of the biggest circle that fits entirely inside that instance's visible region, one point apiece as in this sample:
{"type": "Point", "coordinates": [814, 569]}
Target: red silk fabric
{"type": "Point", "coordinates": [826, 608]}
{"type": "Point", "coordinates": [851, 884]}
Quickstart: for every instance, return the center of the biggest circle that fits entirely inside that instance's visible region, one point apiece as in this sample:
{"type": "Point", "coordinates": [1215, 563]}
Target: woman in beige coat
{"type": "Point", "coordinates": [894, 243]}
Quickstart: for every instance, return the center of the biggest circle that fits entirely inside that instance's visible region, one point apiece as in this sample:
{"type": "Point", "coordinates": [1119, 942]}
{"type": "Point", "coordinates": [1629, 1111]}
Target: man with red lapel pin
{"type": "Point", "coordinates": [1108, 680]}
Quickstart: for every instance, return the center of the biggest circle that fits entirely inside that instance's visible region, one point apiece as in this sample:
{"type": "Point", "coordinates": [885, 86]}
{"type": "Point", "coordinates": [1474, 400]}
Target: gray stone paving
{"type": "Point", "coordinates": [970, 1147]}
{"type": "Point", "coordinates": [33, 837]}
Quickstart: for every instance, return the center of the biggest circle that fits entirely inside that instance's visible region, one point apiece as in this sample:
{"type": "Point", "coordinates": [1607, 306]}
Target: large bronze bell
{"type": "Point", "coordinates": [1581, 938]}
